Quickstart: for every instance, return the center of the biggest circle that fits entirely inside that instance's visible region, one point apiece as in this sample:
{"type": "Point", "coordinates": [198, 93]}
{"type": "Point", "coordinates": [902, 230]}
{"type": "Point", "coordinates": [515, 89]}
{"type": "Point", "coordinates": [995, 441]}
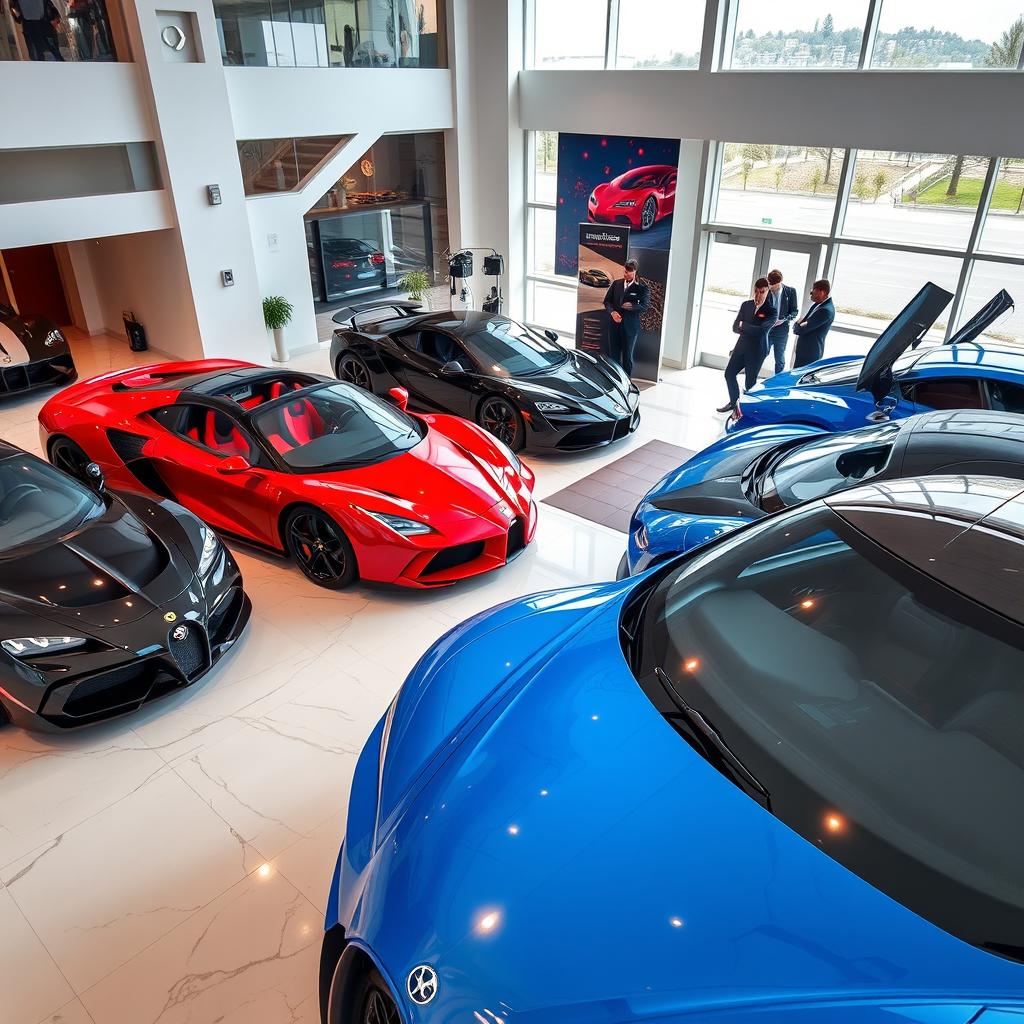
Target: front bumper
{"type": "Point", "coordinates": [554, 434]}
{"type": "Point", "coordinates": [94, 687]}
{"type": "Point", "coordinates": [54, 372]}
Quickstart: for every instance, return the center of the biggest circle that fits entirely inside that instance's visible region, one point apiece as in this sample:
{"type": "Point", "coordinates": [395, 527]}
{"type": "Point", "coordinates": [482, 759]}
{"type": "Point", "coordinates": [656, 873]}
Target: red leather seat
{"type": "Point", "coordinates": [302, 421]}
{"type": "Point", "coordinates": [229, 443]}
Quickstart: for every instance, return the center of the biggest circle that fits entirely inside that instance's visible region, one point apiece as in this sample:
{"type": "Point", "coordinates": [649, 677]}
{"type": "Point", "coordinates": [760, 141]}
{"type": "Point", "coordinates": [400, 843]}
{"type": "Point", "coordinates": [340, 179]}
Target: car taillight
{"type": "Point", "coordinates": [377, 259]}
{"type": "Point", "coordinates": [342, 264]}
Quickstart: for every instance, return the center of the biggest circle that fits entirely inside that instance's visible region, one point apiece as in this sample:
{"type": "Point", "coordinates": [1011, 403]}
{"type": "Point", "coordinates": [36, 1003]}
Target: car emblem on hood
{"type": "Point", "coordinates": [422, 984]}
{"type": "Point", "coordinates": [170, 616]}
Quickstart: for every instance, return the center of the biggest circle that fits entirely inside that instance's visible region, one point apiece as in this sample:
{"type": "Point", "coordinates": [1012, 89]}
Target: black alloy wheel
{"type": "Point", "coordinates": [352, 370]}
{"type": "Point", "coordinates": [648, 213]}
{"type": "Point", "coordinates": [499, 417]}
{"type": "Point", "coordinates": [69, 457]}
{"type": "Point", "coordinates": [379, 1008]}
{"type": "Point", "coordinates": [320, 549]}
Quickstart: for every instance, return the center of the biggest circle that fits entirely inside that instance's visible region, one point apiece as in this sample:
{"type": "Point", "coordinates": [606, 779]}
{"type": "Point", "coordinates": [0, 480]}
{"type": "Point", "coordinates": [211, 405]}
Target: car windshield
{"type": "Point", "coordinates": [823, 465]}
{"type": "Point", "coordinates": [336, 426]}
{"type": "Point", "coordinates": [641, 179]}
{"type": "Point", "coordinates": [38, 502]}
{"type": "Point", "coordinates": [507, 349]}
{"type": "Point", "coordinates": [879, 712]}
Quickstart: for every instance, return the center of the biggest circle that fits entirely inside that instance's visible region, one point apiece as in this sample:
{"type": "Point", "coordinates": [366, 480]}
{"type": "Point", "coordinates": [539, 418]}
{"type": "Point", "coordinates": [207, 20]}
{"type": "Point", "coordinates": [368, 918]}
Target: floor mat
{"type": "Point", "coordinates": [609, 496]}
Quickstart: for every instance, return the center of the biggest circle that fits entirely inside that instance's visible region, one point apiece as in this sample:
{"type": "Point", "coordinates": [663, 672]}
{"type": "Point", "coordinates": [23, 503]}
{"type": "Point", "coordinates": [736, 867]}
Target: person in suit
{"type": "Point", "coordinates": [787, 305]}
{"type": "Point", "coordinates": [753, 322]}
{"type": "Point", "coordinates": [812, 327]}
{"type": "Point", "coordinates": [625, 300]}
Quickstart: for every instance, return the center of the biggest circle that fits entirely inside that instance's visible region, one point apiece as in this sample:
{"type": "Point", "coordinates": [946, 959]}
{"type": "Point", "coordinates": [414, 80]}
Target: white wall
{"type": "Point", "coordinates": [269, 103]}
{"type": "Point", "coordinates": [64, 220]}
{"type": "Point", "coordinates": [146, 274]}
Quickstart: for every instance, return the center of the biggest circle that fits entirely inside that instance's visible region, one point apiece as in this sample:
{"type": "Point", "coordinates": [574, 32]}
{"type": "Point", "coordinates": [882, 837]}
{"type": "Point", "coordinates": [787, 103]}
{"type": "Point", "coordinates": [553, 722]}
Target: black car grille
{"type": "Point", "coordinates": [516, 537]}
{"type": "Point", "coordinates": [600, 433]}
{"type": "Point", "coordinates": [224, 616]}
{"type": "Point", "coordinates": [34, 375]}
{"type": "Point", "coordinates": [109, 692]}
{"type": "Point", "coordinates": [189, 651]}
{"type": "Point", "coordinates": [453, 556]}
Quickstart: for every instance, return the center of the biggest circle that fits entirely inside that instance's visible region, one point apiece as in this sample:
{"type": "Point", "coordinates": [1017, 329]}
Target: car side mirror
{"type": "Point", "coordinates": [94, 475]}
{"type": "Point", "coordinates": [550, 335]}
{"type": "Point", "coordinates": [452, 366]}
{"type": "Point", "coordinates": [233, 465]}
{"type": "Point", "coordinates": [400, 397]}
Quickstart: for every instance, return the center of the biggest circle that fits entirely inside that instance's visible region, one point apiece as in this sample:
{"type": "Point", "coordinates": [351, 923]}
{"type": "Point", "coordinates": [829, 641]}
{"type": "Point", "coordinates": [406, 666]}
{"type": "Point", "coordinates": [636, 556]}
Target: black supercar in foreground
{"type": "Point", "coordinates": [520, 385]}
{"type": "Point", "coordinates": [107, 600]}
{"type": "Point", "coordinates": [33, 354]}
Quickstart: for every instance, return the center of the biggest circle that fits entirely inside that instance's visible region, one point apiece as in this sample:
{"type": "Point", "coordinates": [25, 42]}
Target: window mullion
{"type": "Point", "coordinates": [867, 43]}
{"type": "Point", "coordinates": [611, 40]}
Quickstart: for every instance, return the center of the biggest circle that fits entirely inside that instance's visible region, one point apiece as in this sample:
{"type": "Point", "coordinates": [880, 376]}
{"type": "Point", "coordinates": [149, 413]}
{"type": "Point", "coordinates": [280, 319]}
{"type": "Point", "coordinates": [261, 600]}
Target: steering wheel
{"type": "Point", "coordinates": [14, 497]}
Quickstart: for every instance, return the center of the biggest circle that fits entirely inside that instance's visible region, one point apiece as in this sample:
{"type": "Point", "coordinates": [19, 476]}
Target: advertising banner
{"type": "Point", "coordinates": [602, 253]}
{"type": "Point", "coordinates": [617, 181]}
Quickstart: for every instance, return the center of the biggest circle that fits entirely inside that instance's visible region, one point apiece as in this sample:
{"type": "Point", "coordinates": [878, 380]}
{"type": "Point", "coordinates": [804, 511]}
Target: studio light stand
{"type": "Point", "coordinates": [460, 270]}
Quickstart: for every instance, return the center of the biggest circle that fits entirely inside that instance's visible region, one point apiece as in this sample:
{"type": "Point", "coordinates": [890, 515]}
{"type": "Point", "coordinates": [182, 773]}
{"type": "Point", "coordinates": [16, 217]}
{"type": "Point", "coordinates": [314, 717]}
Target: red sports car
{"type": "Point", "coordinates": [348, 485]}
{"type": "Point", "coordinates": [640, 197]}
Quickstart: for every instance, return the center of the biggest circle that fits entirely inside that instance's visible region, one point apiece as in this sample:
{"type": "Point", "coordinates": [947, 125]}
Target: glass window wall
{"type": "Point", "coordinates": [778, 186]}
{"type": "Point", "coordinates": [570, 33]}
{"type": "Point", "coordinates": [928, 199]}
{"type": "Point", "coordinates": [659, 34]}
{"type": "Point", "coordinates": [1004, 226]}
{"type": "Point", "coordinates": [793, 34]}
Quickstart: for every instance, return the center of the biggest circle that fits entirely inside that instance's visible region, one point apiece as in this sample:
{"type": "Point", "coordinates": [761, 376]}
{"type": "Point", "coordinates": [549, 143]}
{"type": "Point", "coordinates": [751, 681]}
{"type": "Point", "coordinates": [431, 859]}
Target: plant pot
{"type": "Point", "coordinates": [280, 349]}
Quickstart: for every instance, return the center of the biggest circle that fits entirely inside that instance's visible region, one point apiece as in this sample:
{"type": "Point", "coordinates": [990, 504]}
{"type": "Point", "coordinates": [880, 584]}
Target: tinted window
{"type": "Point", "coordinates": [37, 501]}
{"type": "Point", "coordinates": [826, 464]}
{"type": "Point", "coordinates": [507, 349]}
{"type": "Point", "coordinates": [949, 394]}
{"type": "Point", "coordinates": [336, 426]}
{"type": "Point", "coordinates": [882, 718]}
{"type": "Point", "coordinates": [1005, 397]}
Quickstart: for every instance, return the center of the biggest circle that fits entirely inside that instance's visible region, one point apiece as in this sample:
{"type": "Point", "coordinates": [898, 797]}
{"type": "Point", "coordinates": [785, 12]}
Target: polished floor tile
{"type": "Point", "coordinates": [173, 866]}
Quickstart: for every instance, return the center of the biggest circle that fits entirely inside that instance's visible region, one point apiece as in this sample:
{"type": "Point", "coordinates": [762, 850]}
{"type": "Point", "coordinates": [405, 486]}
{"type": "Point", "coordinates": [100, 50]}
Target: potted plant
{"type": "Point", "coordinates": [416, 283]}
{"type": "Point", "coordinates": [277, 313]}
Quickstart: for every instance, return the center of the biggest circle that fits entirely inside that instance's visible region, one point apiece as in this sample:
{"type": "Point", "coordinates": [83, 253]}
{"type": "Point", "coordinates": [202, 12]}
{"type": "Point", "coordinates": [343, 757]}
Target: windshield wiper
{"type": "Point", "coordinates": [701, 733]}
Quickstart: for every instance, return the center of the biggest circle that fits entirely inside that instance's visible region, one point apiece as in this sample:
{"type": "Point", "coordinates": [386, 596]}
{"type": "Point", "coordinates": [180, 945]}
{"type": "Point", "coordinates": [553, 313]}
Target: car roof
{"type": "Point", "coordinates": [981, 423]}
{"type": "Point", "coordinates": [457, 321]}
{"type": "Point", "coordinates": [967, 532]}
{"type": "Point", "coordinates": [969, 356]}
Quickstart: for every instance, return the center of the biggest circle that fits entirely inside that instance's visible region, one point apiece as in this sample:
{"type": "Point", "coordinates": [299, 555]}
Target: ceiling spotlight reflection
{"type": "Point", "coordinates": [691, 664]}
{"type": "Point", "coordinates": [676, 922]}
{"type": "Point", "coordinates": [513, 830]}
{"type": "Point", "coordinates": [835, 822]}
{"type": "Point", "coordinates": [488, 922]}
{"type": "Point", "coordinates": [263, 871]}
{"type": "Point", "coordinates": [807, 603]}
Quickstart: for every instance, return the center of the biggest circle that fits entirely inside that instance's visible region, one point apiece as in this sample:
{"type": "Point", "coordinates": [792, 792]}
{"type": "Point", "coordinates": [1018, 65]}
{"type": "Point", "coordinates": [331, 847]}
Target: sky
{"type": "Point", "coordinates": [679, 22]}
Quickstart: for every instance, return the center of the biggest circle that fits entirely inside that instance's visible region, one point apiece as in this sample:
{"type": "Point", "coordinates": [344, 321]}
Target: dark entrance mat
{"type": "Point", "coordinates": [609, 496]}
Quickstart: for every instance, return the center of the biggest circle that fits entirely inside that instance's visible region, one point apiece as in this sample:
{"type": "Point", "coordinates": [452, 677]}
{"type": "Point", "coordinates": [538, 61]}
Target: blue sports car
{"type": "Point", "coordinates": [753, 473]}
{"type": "Point", "coordinates": [895, 379]}
{"type": "Point", "coordinates": [776, 780]}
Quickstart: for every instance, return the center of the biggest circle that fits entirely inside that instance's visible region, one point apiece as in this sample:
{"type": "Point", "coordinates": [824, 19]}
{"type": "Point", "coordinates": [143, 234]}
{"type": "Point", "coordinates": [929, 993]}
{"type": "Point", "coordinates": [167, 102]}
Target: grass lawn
{"type": "Point", "coordinates": [1006, 196]}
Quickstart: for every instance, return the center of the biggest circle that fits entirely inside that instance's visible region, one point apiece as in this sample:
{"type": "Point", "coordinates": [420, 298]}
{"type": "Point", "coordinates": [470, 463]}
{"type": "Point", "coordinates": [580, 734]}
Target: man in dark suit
{"type": "Point", "coordinates": [787, 305]}
{"type": "Point", "coordinates": [625, 300]}
{"type": "Point", "coordinates": [812, 327]}
{"type": "Point", "coordinates": [753, 322]}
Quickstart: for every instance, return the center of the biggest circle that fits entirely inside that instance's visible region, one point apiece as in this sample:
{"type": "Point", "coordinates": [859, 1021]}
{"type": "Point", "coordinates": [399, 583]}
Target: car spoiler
{"type": "Point", "coordinates": [352, 316]}
{"type": "Point", "coordinates": [988, 314]}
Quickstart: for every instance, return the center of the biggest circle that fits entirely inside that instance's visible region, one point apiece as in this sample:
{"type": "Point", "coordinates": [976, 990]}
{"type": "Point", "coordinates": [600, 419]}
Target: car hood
{"type": "Point", "coordinates": [436, 478]}
{"type": "Point", "coordinates": [21, 340]}
{"type": "Point", "coordinates": [712, 482]}
{"type": "Point", "coordinates": [112, 571]}
{"type": "Point", "coordinates": [906, 330]}
{"type": "Point", "coordinates": [575, 860]}
{"type": "Point", "coordinates": [596, 386]}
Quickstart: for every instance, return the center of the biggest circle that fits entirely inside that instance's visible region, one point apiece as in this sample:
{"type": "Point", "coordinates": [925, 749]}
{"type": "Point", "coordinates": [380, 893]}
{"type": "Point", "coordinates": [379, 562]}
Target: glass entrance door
{"type": "Point", "coordinates": [734, 263]}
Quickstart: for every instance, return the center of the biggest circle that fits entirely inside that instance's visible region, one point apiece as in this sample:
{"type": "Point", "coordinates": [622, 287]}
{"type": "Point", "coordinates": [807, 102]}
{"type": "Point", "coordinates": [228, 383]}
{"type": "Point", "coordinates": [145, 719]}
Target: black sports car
{"type": "Point", "coordinates": [33, 354]}
{"type": "Point", "coordinates": [595, 278]}
{"type": "Point", "coordinates": [106, 601]}
{"type": "Point", "coordinates": [522, 386]}
{"type": "Point", "coordinates": [752, 473]}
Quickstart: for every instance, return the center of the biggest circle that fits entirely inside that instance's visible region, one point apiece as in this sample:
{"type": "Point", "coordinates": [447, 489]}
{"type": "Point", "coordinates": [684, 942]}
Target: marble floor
{"type": "Point", "coordinates": [173, 866]}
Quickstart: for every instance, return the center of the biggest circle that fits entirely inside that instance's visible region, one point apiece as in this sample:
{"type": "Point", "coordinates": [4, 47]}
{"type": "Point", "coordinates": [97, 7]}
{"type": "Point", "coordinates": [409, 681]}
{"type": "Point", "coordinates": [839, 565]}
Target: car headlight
{"type": "Point", "coordinates": [211, 548]}
{"type": "Point", "coordinates": [625, 202]}
{"type": "Point", "coordinates": [30, 646]}
{"type": "Point", "coordinates": [641, 539]}
{"type": "Point", "coordinates": [593, 197]}
{"type": "Point", "coordinates": [53, 338]}
{"type": "Point", "coordinates": [551, 407]}
{"type": "Point", "coordinates": [400, 524]}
